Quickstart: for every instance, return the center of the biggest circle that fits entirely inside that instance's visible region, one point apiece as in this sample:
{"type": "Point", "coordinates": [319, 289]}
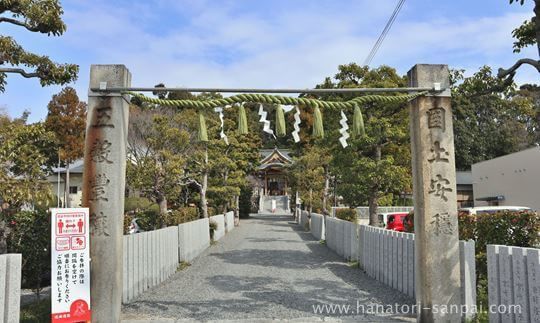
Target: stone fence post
{"type": "Point", "coordinates": [437, 263]}
{"type": "Point", "coordinates": [103, 188]}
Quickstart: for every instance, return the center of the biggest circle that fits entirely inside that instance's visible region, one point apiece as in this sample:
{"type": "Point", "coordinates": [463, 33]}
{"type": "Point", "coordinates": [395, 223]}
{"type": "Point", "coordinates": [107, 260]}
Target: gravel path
{"type": "Point", "coordinates": [266, 269]}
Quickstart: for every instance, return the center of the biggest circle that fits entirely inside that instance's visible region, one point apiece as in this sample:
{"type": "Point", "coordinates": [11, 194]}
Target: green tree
{"type": "Point", "coordinates": [378, 163]}
{"type": "Point", "coordinates": [67, 119]}
{"type": "Point", "coordinates": [30, 233]}
{"type": "Point", "coordinates": [158, 144]}
{"type": "Point", "coordinates": [24, 150]}
{"type": "Point", "coordinates": [490, 119]}
{"type": "Point", "coordinates": [307, 176]}
{"type": "Point", "coordinates": [229, 167]}
{"type": "Point", "coordinates": [41, 16]}
{"type": "Point", "coordinates": [527, 34]}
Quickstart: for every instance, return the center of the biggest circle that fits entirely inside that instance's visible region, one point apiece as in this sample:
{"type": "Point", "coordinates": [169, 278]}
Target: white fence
{"type": "Point", "coordinates": [388, 256]}
{"type": "Point", "coordinates": [304, 220]}
{"type": "Point", "coordinates": [220, 231]}
{"type": "Point", "coordinates": [317, 226]}
{"type": "Point", "coordinates": [229, 221]}
{"type": "Point", "coordinates": [513, 284]}
{"type": "Point", "coordinates": [341, 236]}
{"type": "Point", "coordinates": [10, 287]}
{"type": "Point", "coordinates": [152, 257]}
{"type": "Point", "coordinates": [149, 259]}
{"type": "Point", "coordinates": [193, 239]}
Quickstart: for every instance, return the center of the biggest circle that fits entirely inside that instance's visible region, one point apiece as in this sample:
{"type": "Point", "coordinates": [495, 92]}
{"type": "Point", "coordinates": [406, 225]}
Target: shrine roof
{"type": "Point", "coordinates": [274, 158]}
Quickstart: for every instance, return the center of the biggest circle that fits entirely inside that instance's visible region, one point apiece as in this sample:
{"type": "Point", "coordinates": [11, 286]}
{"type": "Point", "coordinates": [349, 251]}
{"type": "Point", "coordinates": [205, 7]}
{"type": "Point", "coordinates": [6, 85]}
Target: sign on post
{"type": "Point", "coordinates": [70, 265]}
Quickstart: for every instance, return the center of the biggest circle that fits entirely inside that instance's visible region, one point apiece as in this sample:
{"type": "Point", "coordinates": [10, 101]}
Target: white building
{"type": "Point", "coordinates": [511, 180]}
{"type": "Point", "coordinates": [58, 182]}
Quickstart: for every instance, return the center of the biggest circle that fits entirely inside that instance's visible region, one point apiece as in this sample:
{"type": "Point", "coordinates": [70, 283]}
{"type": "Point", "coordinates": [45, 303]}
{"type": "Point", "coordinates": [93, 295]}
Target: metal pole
{"type": "Point", "coordinates": [105, 89]}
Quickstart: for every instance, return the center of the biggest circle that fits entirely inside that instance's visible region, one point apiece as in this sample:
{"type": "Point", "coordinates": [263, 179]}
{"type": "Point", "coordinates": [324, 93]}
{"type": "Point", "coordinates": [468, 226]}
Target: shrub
{"type": "Point", "coordinates": [30, 233]}
{"type": "Point", "coordinates": [346, 214]}
{"type": "Point", "coordinates": [511, 228]}
{"type": "Point", "coordinates": [138, 204]}
{"type": "Point", "coordinates": [245, 207]}
{"type": "Point", "coordinates": [181, 215]}
{"type": "Point", "coordinates": [409, 222]}
{"type": "Point", "coordinates": [213, 225]}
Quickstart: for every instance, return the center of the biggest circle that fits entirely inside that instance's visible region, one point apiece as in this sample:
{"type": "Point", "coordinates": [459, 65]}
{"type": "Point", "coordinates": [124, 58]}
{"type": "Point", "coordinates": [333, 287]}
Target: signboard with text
{"type": "Point", "coordinates": [70, 265]}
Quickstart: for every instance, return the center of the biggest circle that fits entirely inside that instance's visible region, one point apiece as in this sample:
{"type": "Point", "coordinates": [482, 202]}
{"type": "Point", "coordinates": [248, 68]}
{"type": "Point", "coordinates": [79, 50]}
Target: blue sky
{"type": "Point", "coordinates": [264, 43]}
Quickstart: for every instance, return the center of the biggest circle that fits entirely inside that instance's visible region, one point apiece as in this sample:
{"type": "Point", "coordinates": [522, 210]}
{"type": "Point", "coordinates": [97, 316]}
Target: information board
{"type": "Point", "coordinates": [70, 265]}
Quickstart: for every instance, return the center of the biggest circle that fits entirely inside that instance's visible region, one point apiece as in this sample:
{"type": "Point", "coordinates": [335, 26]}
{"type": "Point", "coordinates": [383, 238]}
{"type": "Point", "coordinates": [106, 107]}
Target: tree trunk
{"type": "Point", "coordinates": [237, 206]}
{"type": "Point", "coordinates": [373, 199]}
{"type": "Point", "coordinates": [66, 188]}
{"type": "Point", "coordinates": [310, 201]}
{"type": "Point", "coordinates": [373, 206]}
{"type": "Point", "coordinates": [326, 190]}
{"type": "Point", "coordinates": [162, 202]}
{"type": "Point", "coordinates": [204, 187]}
{"type": "Point", "coordinates": [4, 232]}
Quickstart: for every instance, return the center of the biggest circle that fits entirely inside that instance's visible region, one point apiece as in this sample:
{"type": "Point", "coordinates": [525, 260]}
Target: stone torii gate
{"type": "Point", "coordinates": [434, 183]}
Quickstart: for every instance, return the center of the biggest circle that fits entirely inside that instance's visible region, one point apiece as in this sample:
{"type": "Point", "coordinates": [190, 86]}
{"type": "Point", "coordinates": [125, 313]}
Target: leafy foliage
{"type": "Point", "coordinates": [30, 236]}
{"type": "Point", "coordinates": [67, 119]}
{"type": "Point", "coordinates": [307, 176]}
{"type": "Point", "coordinates": [378, 163]}
{"type": "Point", "coordinates": [42, 16]}
{"type": "Point", "coordinates": [525, 35]}
{"type": "Point", "coordinates": [158, 145]}
{"type": "Point", "coordinates": [24, 151]}
{"type": "Point", "coordinates": [347, 214]}
{"type": "Point", "coordinates": [489, 123]}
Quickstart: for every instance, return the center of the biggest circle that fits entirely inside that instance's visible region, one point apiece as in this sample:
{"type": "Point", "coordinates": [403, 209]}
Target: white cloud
{"type": "Point", "coordinates": [197, 43]}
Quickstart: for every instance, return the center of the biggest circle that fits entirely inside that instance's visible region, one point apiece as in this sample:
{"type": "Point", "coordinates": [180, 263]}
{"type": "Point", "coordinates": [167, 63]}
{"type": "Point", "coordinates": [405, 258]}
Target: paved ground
{"type": "Point", "coordinates": [266, 269]}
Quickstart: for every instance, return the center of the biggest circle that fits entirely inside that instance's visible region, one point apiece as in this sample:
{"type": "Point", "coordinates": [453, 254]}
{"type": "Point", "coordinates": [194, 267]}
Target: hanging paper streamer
{"type": "Point", "coordinates": [344, 130]}
{"type": "Point", "coordinates": [318, 129]}
{"type": "Point", "coordinates": [222, 133]}
{"type": "Point", "coordinates": [281, 130]}
{"type": "Point", "coordinates": [242, 120]}
{"type": "Point", "coordinates": [358, 128]}
{"type": "Point", "coordinates": [266, 127]}
{"type": "Point", "coordinates": [296, 125]}
{"type": "Point", "coordinates": [203, 133]}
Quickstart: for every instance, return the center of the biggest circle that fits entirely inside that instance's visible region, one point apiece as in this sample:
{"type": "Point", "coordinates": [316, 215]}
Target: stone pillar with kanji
{"type": "Point", "coordinates": [103, 188]}
{"type": "Point", "coordinates": [437, 271]}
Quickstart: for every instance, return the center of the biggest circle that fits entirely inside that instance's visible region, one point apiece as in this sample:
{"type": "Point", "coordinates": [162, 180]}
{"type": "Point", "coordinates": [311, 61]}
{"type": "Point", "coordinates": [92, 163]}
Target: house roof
{"type": "Point", "coordinates": [76, 167]}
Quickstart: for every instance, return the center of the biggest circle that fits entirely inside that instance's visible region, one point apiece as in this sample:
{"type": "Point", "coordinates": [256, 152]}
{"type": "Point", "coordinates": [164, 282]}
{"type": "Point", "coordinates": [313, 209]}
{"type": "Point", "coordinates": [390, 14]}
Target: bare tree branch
{"type": "Point", "coordinates": [19, 23]}
{"type": "Point", "coordinates": [19, 71]}
{"type": "Point", "coordinates": [502, 73]}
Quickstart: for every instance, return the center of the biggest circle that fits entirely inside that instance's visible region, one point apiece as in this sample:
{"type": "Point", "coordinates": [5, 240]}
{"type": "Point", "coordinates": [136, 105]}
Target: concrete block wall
{"type": "Point", "coordinates": [220, 220]}
{"type": "Point", "coordinates": [335, 235]}
{"type": "Point", "coordinates": [193, 239]}
{"type": "Point", "coordinates": [229, 221]}
{"type": "Point", "coordinates": [331, 229]}
{"type": "Point", "coordinates": [304, 220]}
{"type": "Point", "coordinates": [149, 259]}
{"type": "Point", "coordinates": [317, 226]}
{"type": "Point", "coordinates": [514, 280]}
{"type": "Point", "coordinates": [10, 287]}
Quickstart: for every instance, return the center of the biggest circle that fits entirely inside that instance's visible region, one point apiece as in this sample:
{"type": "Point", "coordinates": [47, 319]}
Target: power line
{"type": "Point", "coordinates": [385, 31]}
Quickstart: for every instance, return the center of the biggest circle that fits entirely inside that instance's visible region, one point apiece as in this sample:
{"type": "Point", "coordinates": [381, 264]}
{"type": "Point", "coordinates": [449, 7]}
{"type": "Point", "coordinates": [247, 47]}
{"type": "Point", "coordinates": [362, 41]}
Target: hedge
{"type": "Point", "coordinates": [347, 214]}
